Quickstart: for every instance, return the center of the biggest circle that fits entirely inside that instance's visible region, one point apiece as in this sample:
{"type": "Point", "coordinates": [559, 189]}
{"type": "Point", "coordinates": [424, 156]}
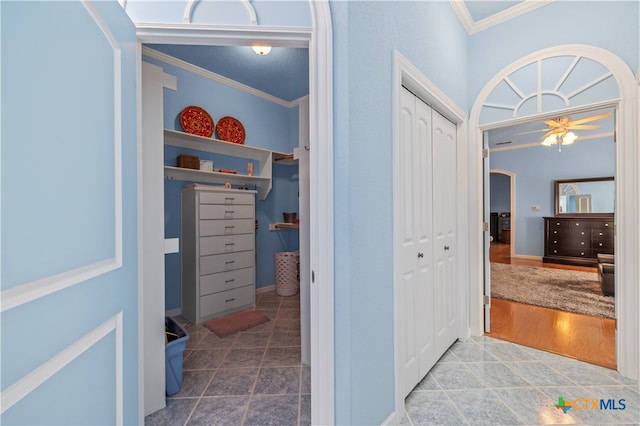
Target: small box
{"type": "Point", "coordinates": [206, 165]}
{"type": "Point", "coordinates": [188, 161]}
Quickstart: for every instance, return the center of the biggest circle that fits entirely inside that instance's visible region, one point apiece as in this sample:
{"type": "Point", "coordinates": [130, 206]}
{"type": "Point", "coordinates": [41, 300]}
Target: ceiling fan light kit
{"type": "Point", "coordinates": [559, 129]}
{"type": "Point", "coordinates": [560, 139]}
{"type": "Point", "coordinates": [261, 49]}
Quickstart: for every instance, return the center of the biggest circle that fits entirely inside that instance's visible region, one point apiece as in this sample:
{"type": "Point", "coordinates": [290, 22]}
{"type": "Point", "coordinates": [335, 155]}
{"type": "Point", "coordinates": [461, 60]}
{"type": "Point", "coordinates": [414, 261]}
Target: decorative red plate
{"type": "Point", "coordinates": [196, 121]}
{"type": "Point", "coordinates": [230, 130]}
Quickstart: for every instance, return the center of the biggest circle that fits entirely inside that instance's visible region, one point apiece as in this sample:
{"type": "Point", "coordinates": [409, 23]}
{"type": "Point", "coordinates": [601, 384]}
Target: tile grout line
{"type": "Point", "coordinates": [260, 365]}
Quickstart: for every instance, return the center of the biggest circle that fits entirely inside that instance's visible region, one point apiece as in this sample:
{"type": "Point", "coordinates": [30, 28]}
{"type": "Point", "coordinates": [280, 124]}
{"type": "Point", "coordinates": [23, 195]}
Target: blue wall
{"type": "Point", "coordinates": [535, 170]}
{"type": "Point", "coordinates": [365, 36]}
{"type": "Point", "coordinates": [267, 125]}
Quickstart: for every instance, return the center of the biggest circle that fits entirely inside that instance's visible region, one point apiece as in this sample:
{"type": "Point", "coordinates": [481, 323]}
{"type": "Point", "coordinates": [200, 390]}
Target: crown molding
{"type": "Point", "coordinates": [170, 60]}
{"type": "Point", "coordinates": [473, 27]}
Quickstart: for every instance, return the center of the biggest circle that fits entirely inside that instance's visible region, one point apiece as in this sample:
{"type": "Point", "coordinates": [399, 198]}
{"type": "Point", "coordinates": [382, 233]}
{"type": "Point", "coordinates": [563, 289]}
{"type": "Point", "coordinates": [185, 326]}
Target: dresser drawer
{"type": "Point", "coordinates": [227, 227]}
{"type": "Point", "coordinates": [568, 251]}
{"type": "Point", "coordinates": [604, 245]}
{"type": "Point", "coordinates": [226, 262]}
{"type": "Point", "coordinates": [226, 244]}
{"type": "Point", "coordinates": [227, 199]}
{"type": "Point", "coordinates": [219, 211]}
{"type": "Point", "coordinates": [602, 233]}
{"type": "Point", "coordinates": [570, 242]}
{"type": "Point", "coordinates": [215, 283]}
{"type": "Point", "coordinates": [608, 225]}
{"type": "Point", "coordinates": [570, 233]}
{"type": "Point", "coordinates": [217, 303]}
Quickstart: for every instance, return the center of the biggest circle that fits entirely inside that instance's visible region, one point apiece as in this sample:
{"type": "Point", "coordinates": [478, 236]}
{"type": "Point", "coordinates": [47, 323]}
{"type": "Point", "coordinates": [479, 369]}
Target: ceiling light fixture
{"type": "Point", "coordinates": [562, 138]}
{"type": "Point", "coordinates": [261, 49]}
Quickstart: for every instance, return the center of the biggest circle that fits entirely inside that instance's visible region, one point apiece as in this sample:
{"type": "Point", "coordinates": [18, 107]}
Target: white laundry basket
{"type": "Point", "coordinates": [287, 271]}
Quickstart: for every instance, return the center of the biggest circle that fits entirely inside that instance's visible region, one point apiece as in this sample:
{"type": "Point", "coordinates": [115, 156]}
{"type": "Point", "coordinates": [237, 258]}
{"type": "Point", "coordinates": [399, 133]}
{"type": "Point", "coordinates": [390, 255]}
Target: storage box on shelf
{"type": "Point", "coordinates": [264, 157]}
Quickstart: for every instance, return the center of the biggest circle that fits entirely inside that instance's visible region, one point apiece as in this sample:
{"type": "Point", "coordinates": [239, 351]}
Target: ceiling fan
{"type": "Point", "coordinates": [559, 130]}
{"type": "Point", "coordinates": [563, 125]}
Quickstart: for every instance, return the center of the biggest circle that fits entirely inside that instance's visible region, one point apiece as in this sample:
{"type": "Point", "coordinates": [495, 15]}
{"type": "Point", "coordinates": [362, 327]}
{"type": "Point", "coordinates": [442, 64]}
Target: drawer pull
{"type": "Point", "coordinates": [229, 300]}
{"type": "Point", "coordinates": [229, 244]}
{"type": "Point", "coordinates": [229, 198]}
{"type": "Point", "coordinates": [582, 233]}
{"type": "Point", "coordinates": [229, 262]}
{"type": "Point", "coordinates": [581, 254]}
{"type": "Point", "coordinates": [230, 281]}
{"type": "Point", "coordinates": [555, 232]}
{"type": "Point", "coordinates": [601, 233]}
{"type": "Point", "coordinates": [606, 225]}
{"type": "Point", "coordinates": [582, 243]}
{"type": "Point", "coordinates": [555, 241]}
{"type": "Point", "coordinates": [577, 223]}
{"type": "Point", "coordinates": [229, 227]}
{"type": "Point", "coordinates": [229, 211]}
{"type": "Point", "coordinates": [555, 251]}
{"type": "Point", "coordinates": [600, 244]}
{"type": "Point", "coordinates": [557, 223]}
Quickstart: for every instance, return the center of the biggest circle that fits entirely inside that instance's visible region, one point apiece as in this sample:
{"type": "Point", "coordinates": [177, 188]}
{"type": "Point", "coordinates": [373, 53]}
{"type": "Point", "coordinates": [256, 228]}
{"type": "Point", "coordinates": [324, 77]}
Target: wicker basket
{"type": "Point", "coordinates": [188, 161]}
{"type": "Point", "coordinates": [287, 272]}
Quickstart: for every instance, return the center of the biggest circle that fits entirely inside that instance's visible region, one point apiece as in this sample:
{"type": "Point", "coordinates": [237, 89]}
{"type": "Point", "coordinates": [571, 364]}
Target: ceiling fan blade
{"type": "Point", "coordinates": [552, 132]}
{"type": "Point", "coordinates": [592, 118]}
{"type": "Point", "coordinates": [531, 131]}
{"type": "Point", "coordinates": [553, 123]}
{"type": "Point", "coordinates": [583, 127]}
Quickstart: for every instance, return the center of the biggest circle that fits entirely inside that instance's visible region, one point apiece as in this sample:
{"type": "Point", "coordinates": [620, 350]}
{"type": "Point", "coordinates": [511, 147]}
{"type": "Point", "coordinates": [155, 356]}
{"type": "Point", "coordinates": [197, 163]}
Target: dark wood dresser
{"type": "Point", "coordinates": [577, 240]}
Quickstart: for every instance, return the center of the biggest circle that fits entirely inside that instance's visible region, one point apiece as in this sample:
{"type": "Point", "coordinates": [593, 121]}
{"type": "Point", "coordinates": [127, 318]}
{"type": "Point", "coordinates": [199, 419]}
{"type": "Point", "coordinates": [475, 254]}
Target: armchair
{"type": "Point", "coordinates": [606, 273]}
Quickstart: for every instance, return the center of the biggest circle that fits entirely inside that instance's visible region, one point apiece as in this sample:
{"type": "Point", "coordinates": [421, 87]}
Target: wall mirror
{"type": "Point", "coordinates": [588, 196]}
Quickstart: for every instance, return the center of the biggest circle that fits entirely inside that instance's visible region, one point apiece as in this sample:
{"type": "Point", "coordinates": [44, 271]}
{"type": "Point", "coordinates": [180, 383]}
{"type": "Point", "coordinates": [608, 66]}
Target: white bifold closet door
{"type": "Point", "coordinates": [427, 237]}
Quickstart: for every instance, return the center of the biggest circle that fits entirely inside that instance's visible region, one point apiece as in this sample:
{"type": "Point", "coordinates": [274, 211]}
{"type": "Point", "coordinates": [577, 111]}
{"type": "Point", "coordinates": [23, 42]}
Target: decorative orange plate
{"type": "Point", "coordinates": [196, 121]}
{"type": "Point", "coordinates": [230, 130]}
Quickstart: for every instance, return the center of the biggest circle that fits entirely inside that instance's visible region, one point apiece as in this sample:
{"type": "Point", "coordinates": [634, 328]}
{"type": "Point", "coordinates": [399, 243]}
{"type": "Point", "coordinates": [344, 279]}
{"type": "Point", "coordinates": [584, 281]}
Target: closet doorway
{"type": "Point", "coordinates": [428, 149]}
{"type": "Point", "coordinates": [321, 328]}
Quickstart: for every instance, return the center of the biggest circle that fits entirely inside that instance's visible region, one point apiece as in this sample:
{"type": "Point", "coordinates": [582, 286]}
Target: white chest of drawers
{"type": "Point", "coordinates": [217, 246]}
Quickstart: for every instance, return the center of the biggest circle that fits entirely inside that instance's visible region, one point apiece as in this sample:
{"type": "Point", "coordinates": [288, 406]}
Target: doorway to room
{"type": "Point", "coordinates": [525, 320]}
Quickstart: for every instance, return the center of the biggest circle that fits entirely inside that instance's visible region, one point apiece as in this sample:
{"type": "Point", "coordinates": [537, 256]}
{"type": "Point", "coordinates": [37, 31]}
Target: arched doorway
{"type": "Point", "coordinates": [486, 111]}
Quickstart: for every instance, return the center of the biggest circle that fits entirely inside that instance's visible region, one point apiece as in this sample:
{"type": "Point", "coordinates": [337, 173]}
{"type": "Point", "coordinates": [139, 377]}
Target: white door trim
{"type": "Point", "coordinates": [512, 204]}
{"type": "Point", "coordinates": [407, 75]}
{"type": "Point", "coordinates": [319, 41]}
{"type": "Point", "coordinates": [627, 200]}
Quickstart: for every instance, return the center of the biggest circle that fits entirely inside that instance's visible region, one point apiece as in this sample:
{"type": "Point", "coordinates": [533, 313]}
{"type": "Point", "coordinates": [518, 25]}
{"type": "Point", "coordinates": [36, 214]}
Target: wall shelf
{"type": "Point", "coordinates": [281, 225]}
{"type": "Point", "coordinates": [265, 158]}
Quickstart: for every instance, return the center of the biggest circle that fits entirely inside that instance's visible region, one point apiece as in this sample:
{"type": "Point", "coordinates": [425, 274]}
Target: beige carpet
{"type": "Point", "coordinates": [572, 291]}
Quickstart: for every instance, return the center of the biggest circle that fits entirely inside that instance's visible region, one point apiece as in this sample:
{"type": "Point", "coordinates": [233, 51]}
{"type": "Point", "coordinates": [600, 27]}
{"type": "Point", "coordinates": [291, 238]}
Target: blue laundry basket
{"type": "Point", "coordinates": [174, 350]}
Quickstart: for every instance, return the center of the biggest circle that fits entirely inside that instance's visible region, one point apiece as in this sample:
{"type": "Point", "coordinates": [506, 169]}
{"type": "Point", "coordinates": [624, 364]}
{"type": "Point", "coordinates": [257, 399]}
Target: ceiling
{"type": "Point", "coordinates": [283, 73]}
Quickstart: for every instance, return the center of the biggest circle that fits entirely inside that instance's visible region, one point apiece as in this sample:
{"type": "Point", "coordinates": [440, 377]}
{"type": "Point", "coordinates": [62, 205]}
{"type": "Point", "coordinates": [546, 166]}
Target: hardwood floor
{"type": "Point", "coordinates": [583, 337]}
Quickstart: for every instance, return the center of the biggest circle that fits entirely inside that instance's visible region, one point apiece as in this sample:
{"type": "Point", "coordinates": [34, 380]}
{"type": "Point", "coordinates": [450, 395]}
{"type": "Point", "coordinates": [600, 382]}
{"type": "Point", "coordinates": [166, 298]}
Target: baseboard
{"type": "Point", "coordinates": [527, 256]}
{"type": "Point", "coordinates": [266, 289]}
{"type": "Point", "coordinates": [173, 312]}
{"type": "Point", "coordinates": [392, 419]}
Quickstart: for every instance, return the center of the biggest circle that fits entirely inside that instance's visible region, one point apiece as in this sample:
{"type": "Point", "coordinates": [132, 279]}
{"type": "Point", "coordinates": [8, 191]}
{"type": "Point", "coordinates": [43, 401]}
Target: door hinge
{"type": "Point", "coordinates": [485, 153]}
{"type": "Point", "coordinates": [486, 300]}
{"type": "Point", "coordinates": [485, 226]}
